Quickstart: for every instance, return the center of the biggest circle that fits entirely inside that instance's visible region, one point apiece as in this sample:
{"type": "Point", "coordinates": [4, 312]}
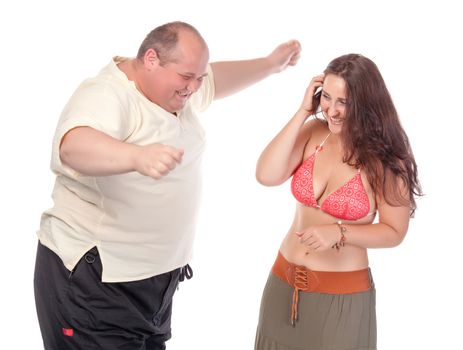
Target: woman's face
{"type": "Point", "coordinates": [333, 102]}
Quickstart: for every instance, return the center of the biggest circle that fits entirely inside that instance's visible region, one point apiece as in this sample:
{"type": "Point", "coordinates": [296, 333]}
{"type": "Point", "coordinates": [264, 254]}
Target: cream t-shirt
{"type": "Point", "coordinates": [142, 227]}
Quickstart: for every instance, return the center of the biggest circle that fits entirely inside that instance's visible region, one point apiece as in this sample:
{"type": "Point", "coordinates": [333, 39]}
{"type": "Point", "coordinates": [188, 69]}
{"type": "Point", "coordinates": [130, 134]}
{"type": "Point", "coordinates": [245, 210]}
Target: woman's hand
{"type": "Point", "coordinates": [307, 103]}
{"type": "Point", "coordinates": [319, 238]}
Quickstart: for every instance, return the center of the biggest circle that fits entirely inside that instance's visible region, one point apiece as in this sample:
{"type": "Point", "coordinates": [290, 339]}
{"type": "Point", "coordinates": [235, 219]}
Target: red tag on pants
{"type": "Point", "coordinates": [69, 332]}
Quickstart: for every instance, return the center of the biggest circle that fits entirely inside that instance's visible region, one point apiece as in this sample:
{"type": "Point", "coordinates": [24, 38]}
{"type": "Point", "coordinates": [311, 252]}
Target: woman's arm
{"type": "Point", "coordinates": [279, 159]}
{"type": "Point", "coordinates": [387, 233]}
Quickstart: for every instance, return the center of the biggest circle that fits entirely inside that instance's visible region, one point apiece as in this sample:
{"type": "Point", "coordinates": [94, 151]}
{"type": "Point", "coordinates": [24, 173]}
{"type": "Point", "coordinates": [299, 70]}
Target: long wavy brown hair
{"type": "Point", "coordinates": [372, 135]}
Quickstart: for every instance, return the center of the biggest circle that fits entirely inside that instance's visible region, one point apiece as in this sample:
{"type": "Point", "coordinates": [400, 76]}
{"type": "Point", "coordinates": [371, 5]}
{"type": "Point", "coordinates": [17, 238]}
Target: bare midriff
{"type": "Point", "coordinates": [347, 258]}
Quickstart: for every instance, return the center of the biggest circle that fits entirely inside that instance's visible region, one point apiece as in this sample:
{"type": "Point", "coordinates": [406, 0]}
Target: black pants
{"type": "Point", "coordinates": [78, 311]}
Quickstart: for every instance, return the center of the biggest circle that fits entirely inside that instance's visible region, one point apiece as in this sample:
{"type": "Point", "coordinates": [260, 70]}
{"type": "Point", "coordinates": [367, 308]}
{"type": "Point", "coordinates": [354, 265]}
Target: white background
{"type": "Point", "coordinates": [49, 47]}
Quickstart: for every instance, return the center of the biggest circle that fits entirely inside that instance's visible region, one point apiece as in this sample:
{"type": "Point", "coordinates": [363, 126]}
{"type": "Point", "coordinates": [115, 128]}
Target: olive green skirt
{"type": "Point", "coordinates": [325, 321]}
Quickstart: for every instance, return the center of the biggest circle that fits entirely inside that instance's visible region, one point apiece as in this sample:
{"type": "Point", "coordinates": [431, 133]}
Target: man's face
{"type": "Point", "coordinates": [170, 84]}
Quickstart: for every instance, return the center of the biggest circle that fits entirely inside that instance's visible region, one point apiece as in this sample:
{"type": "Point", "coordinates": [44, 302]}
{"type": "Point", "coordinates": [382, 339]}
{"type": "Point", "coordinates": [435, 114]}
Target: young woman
{"type": "Point", "coordinates": [347, 166]}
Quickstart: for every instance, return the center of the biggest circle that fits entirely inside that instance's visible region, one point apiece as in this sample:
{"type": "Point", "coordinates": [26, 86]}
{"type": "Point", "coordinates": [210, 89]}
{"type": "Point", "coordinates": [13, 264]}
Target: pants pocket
{"type": "Point", "coordinates": [162, 318]}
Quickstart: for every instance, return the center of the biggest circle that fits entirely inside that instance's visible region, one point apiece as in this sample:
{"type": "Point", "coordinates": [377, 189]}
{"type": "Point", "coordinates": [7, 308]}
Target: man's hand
{"type": "Point", "coordinates": [157, 160]}
{"type": "Point", "coordinates": [284, 55]}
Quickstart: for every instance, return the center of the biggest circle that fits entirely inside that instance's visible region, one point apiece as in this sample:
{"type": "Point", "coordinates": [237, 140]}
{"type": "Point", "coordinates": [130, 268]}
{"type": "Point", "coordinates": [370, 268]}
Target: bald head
{"type": "Point", "coordinates": [166, 39]}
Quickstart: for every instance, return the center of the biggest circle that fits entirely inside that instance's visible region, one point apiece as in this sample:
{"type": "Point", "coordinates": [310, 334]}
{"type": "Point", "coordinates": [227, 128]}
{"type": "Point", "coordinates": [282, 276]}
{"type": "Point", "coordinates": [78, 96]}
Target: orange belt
{"type": "Point", "coordinates": [329, 282]}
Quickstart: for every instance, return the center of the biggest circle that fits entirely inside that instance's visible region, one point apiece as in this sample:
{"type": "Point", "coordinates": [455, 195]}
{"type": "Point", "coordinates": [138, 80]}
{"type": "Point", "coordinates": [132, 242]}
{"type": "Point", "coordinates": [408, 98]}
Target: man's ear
{"type": "Point", "coordinates": [150, 59]}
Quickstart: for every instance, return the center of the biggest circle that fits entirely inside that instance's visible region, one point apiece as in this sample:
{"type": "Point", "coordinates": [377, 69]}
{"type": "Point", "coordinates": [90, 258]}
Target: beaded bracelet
{"type": "Point", "coordinates": [342, 240]}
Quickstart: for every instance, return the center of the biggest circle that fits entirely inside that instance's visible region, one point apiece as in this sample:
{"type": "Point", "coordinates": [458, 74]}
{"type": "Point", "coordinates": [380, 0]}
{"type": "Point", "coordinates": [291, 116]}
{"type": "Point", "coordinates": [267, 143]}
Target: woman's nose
{"type": "Point", "coordinates": [332, 111]}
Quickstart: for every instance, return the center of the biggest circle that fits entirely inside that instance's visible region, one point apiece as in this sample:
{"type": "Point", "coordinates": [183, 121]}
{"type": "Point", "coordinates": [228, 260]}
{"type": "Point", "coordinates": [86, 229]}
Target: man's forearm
{"type": "Point", "coordinates": [233, 76]}
{"type": "Point", "coordinates": [93, 153]}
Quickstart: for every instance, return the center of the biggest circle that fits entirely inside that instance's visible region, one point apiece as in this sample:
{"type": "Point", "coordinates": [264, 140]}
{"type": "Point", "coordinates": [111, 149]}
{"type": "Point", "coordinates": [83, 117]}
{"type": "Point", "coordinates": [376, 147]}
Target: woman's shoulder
{"type": "Point", "coordinates": [316, 129]}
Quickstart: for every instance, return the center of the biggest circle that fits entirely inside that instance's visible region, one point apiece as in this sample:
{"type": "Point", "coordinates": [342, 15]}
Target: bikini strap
{"type": "Point", "coordinates": [320, 146]}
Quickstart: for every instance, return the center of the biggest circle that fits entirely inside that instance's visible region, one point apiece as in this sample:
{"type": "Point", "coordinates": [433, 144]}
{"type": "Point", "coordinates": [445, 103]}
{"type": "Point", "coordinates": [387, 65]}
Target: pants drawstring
{"type": "Point", "coordinates": [185, 272]}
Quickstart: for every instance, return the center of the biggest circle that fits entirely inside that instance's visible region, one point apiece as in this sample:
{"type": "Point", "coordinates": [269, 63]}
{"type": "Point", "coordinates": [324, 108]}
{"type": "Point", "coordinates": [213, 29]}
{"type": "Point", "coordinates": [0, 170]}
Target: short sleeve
{"type": "Point", "coordinates": [97, 105]}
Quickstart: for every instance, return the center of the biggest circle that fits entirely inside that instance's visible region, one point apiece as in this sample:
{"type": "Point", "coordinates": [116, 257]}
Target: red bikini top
{"type": "Point", "coordinates": [349, 202]}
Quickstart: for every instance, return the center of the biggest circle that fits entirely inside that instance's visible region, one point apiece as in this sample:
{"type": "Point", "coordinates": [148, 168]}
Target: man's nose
{"type": "Point", "coordinates": [194, 85]}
